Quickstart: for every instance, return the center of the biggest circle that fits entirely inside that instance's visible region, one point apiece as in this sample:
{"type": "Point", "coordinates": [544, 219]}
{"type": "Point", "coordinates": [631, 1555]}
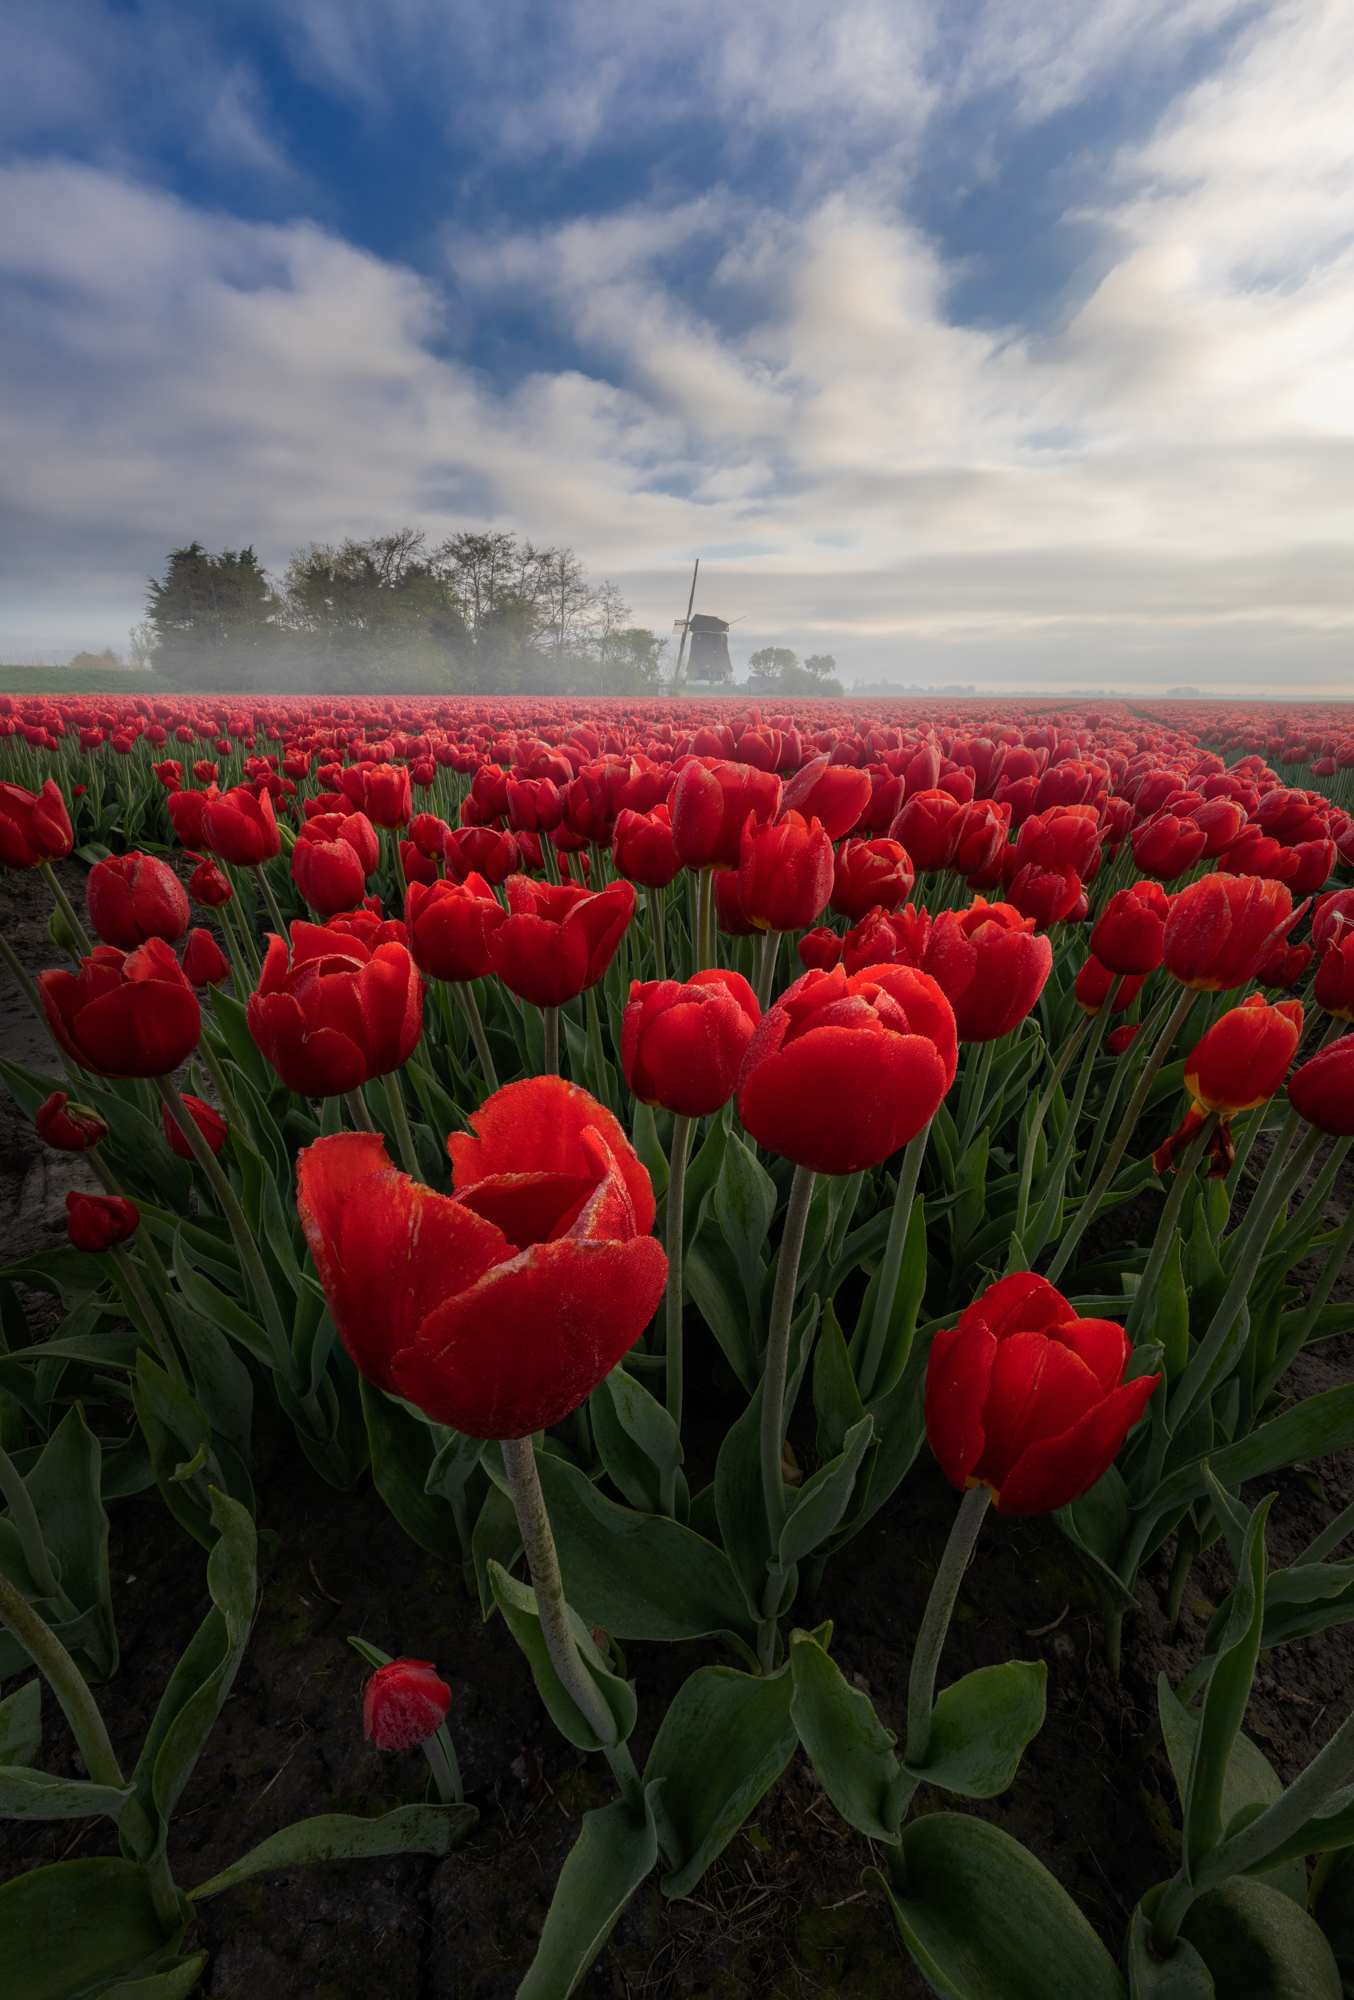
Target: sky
{"type": "Point", "coordinates": [995, 341]}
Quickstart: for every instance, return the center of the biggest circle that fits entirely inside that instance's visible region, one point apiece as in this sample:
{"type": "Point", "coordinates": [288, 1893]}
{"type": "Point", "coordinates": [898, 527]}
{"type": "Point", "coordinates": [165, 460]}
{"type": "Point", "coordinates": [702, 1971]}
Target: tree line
{"type": "Point", "coordinates": [480, 613]}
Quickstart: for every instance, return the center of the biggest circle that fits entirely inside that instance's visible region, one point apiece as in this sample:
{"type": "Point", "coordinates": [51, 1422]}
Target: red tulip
{"type": "Point", "coordinates": [123, 1014]}
{"type": "Point", "coordinates": [209, 1122]}
{"type": "Point", "coordinates": [204, 962]}
{"type": "Point", "coordinates": [481, 850]}
{"type": "Point", "coordinates": [710, 803]}
{"type": "Point", "coordinates": [327, 869]}
{"type": "Point", "coordinates": [1334, 988]}
{"type": "Point", "coordinates": [842, 1071]}
{"type": "Point", "coordinates": [70, 1128]}
{"type": "Point", "coordinates": [450, 925]}
{"type": "Point", "coordinates": [1239, 1063]}
{"type": "Point", "coordinates": [1063, 837]}
{"type": "Point", "coordinates": [785, 873]}
{"type": "Point", "coordinates": [132, 897]}
{"type": "Point", "coordinates": [96, 1222]}
{"type": "Point", "coordinates": [187, 815]}
{"type": "Point", "coordinates": [1221, 820]}
{"type": "Point", "coordinates": [34, 826]}
{"type": "Point", "coordinates": [869, 873]}
{"type": "Point", "coordinates": [336, 1015]}
{"type": "Point", "coordinates": [557, 942]}
{"type": "Point", "coordinates": [1029, 1400]}
{"type": "Point", "coordinates": [1045, 895]}
{"type": "Point", "coordinates": [240, 828]}
{"type": "Point", "coordinates": [1333, 914]}
{"type": "Point", "coordinates": [981, 838]}
{"type": "Point", "coordinates": [642, 848]}
{"type": "Point", "coordinates": [732, 919]}
{"type": "Point", "coordinates": [1165, 846]}
{"type": "Point", "coordinates": [835, 795]}
{"type": "Point", "coordinates": [381, 791]}
{"type": "Point", "coordinates": [1118, 1040]}
{"type": "Point", "coordinates": [369, 925]}
{"type": "Point", "coordinates": [990, 966]}
{"type": "Point", "coordinates": [499, 1309]}
{"type": "Point", "coordinates": [1129, 933]}
{"type": "Point", "coordinates": [1286, 966]}
{"type": "Point", "coordinates": [417, 867]}
{"type": "Point", "coordinates": [1322, 1091]}
{"type": "Point", "coordinates": [403, 1704]}
{"type": "Point", "coordinates": [888, 937]}
{"type": "Point", "coordinates": [1223, 928]}
{"type": "Point", "coordinates": [208, 886]}
{"type": "Point", "coordinates": [1259, 854]}
{"type": "Point", "coordinates": [681, 1046]}
{"type": "Point", "coordinates": [819, 950]}
{"type": "Point", "coordinates": [1315, 859]}
{"type": "Point", "coordinates": [1291, 817]}
{"type": "Point", "coordinates": [929, 827]}
{"type": "Point", "coordinates": [1095, 981]}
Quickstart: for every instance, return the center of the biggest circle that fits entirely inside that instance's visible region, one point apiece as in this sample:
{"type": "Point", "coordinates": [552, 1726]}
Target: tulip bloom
{"type": "Point", "coordinates": [498, 1309]}
{"type": "Point", "coordinates": [682, 1046]}
{"type": "Point", "coordinates": [335, 1014]}
{"type": "Point", "coordinates": [990, 966]}
{"type": "Point", "coordinates": [1238, 1064]}
{"type": "Point", "coordinates": [929, 827]}
{"type": "Point", "coordinates": [1286, 967]}
{"type": "Point", "coordinates": [381, 791]}
{"type": "Point", "coordinates": [1165, 846]}
{"type": "Point", "coordinates": [1223, 928]}
{"type": "Point", "coordinates": [132, 897]}
{"type": "Point", "coordinates": [870, 872]}
{"type": "Point", "coordinates": [70, 1128]}
{"type": "Point", "coordinates": [123, 1014]}
{"type": "Point", "coordinates": [1322, 1091]}
{"type": "Point", "coordinates": [1333, 914]}
{"type": "Point", "coordinates": [1029, 1400]}
{"type": "Point", "coordinates": [981, 839]}
{"type": "Point", "coordinates": [97, 1222]}
{"type": "Point", "coordinates": [240, 828]}
{"type": "Point", "coordinates": [187, 815]}
{"type": "Point", "coordinates": [836, 795]}
{"type": "Point", "coordinates": [34, 826]}
{"type": "Point", "coordinates": [785, 873]}
{"type": "Point", "coordinates": [209, 1122]}
{"type": "Point", "coordinates": [403, 1704]}
{"type": "Point", "coordinates": [710, 804]}
{"type": "Point", "coordinates": [208, 886]}
{"type": "Point", "coordinates": [332, 859]}
{"type": "Point", "coordinates": [1128, 936]}
{"type": "Point", "coordinates": [1095, 981]}
{"type": "Point", "coordinates": [842, 1071]}
{"type": "Point", "coordinates": [204, 962]}
{"type": "Point", "coordinates": [1334, 989]}
{"type": "Point", "coordinates": [819, 950]}
{"type": "Point", "coordinates": [1062, 837]}
{"type": "Point", "coordinates": [557, 942]}
{"type": "Point", "coordinates": [450, 926]}
{"type": "Point", "coordinates": [481, 850]}
{"type": "Point", "coordinates": [887, 937]}
{"type": "Point", "coordinates": [642, 849]}
{"type": "Point", "coordinates": [1045, 895]}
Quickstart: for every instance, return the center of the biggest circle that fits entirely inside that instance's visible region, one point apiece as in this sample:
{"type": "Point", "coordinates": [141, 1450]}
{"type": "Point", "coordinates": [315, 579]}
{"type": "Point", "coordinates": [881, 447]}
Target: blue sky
{"type": "Point", "coordinates": [996, 342]}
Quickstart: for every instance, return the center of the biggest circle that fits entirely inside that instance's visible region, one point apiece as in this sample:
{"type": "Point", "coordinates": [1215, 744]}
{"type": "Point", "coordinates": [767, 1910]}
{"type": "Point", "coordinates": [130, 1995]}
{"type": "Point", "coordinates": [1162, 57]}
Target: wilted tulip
{"type": "Point", "coordinates": [70, 1128]}
{"type": "Point", "coordinates": [403, 1704]}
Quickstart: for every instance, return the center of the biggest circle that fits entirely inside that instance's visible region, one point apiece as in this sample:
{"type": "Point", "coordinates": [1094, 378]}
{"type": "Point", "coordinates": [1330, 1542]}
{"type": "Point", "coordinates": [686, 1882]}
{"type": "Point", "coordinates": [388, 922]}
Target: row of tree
{"type": "Point", "coordinates": [477, 614]}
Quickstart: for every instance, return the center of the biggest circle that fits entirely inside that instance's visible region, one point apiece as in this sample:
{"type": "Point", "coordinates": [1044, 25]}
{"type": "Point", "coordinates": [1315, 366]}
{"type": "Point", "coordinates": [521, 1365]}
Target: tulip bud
{"type": "Point", "coordinates": [1223, 928]}
{"type": "Point", "coordinates": [403, 1704]}
{"type": "Point", "coordinates": [1095, 981]}
{"type": "Point", "coordinates": [1120, 1039]}
{"type": "Point", "coordinates": [819, 950]}
{"type": "Point", "coordinates": [133, 897]}
{"type": "Point", "coordinates": [681, 1046]}
{"type": "Point", "coordinates": [209, 887]}
{"type": "Point", "coordinates": [70, 1128]}
{"type": "Point", "coordinates": [1128, 936]}
{"type": "Point", "coordinates": [990, 966]}
{"type": "Point", "coordinates": [209, 1122]}
{"type": "Point", "coordinates": [204, 962]}
{"type": "Point", "coordinates": [97, 1222]}
{"type": "Point", "coordinates": [1322, 1091]}
{"type": "Point", "coordinates": [1334, 988]}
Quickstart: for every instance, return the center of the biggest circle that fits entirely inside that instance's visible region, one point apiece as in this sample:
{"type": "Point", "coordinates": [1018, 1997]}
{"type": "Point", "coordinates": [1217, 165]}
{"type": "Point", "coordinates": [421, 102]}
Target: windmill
{"type": "Point", "coordinates": [708, 659]}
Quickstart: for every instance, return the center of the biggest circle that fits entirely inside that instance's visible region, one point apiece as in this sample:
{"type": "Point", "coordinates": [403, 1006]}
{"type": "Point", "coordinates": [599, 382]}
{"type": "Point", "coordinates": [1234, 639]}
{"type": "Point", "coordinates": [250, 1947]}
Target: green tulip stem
{"type": "Point", "coordinates": [30, 992]}
{"type": "Point", "coordinates": [777, 1355]}
{"type": "Point", "coordinates": [251, 953]}
{"type": "Point", "coordinates": [245, 1247]}
{"type": "Point", "coordinates": [223, 1090]}
{"type": "Point", "coordinates": [131, 1278]}
{"type": "Point", "coordinates": [67, 1683]}
{"type": "Point", "coordinates": [1170, 1215]}
{"type": "Point", "coordinates": [24, 1516]}
{"type": "Point", "coordinates": [1091, 1201]}
{"type": "Point", "coordinates": [972, 1091]}
{"type": "Point", "coordinates": [549, 862]}
{"type": "Point", "coordinates": [596, 1059]}
{"type": "Point", "coordinates": [533, 1521]}
{"type": "Point", "coordinates": [358, 1111]}
{"type": "Point", "coordinates": [1122, 1069]}
{"type": "Point", "coordinates": [67, 909]}
{"type": "Point", "coordinates": [672, 1297]}
{"type": "Point", "coordinates": [654, 898]}
{"type": "Point", "coordinates": [1069, 1049]}
{"type": "Point", "coordinates": [465, 994]}
{"type": "Point", "coordinates": [145, 1242]}
{"type": "Point", "coordinates": [440, 1752]}
{"type": "Point", "coordinates": [936, 1623]}
{"type": "Point", "coordinates": [399, 1118]}
{"type": "Point", "coordinates": [705, 920]}
{"type": "Point", "coordinates": [899, 1223]}
{"type": "Point", "coordinates": [270, 899]}
{"type": "Point", "coordinates": [244, 984]}
{"type": "Point", "coordinates": [550, 1016]}
{"type": "Point", "coordinates": [1335, 1263]}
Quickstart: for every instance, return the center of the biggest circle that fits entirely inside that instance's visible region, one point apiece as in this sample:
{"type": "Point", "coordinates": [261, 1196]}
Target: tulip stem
{"type": "Point", "coordinates": [777, 1359]}
{"type": "Point", "coordinates": [533, 1521]}
{"type": "Point", "coordinates": [596, 1059]}
{"type": "Point", "coordinates": [766, 972]}
{"type": "Point", "coordinates": [359, 1110]}
{"type": "Point", "coordinates": [1121, 1070]}
{"type": "Point", "coordinates": [1335, 1263]}
{"type": "Point", "coordinates": [972, 1091]}
{"type": "Point", "coordinates": [1091, 1201]}
{"type": "Point", "coordinates": [223, 1089]}
{"type": "Point", "coordinates": [465, 993]}
{"type": "Point", "coordinates": [63, 903]}
{"type": "Point", "coordinates": [399, 1118]}
{"type": "Point", "coordinates": [1069, 1049]}
{"type": "Point", "coordinates": [251, 952]}
{"type": "Point", "coordinates": [705, 899]}
{"type": "Point", "coordinates": [67, 1683]}
{"type": "Point", "coordinates": [899, 1224]}
{"type": "Point", "coordinates": [672, 1297]}
{"type": "Point", "coordinates": [244, 984]}
{"type": "Point", "coordinates": [270, 899]}
{"type": "Point", "coordinates": [1056, 1172]}
{"type": "Point", "coordinates": [936, 1623]}
{"type": "Point", "coordinates": [159, 1332]}
{"type": "Point", "coordinates": [550, 1016]}
{"type": "Point", "coordinates": [31, 994]}
{"type": "Point", "coordinates": [654, 898]}
{"type": "Point", "coordinates": [24, 1516]}
{"type": "Point", "coordinates": [1161, 1242]}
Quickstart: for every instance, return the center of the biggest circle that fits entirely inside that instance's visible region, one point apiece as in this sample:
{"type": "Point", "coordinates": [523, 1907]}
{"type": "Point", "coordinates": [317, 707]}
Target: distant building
{"type": "Point", "coordinates": [1183, 694]}
{"type": "Point", "coordinates": [709, 659]}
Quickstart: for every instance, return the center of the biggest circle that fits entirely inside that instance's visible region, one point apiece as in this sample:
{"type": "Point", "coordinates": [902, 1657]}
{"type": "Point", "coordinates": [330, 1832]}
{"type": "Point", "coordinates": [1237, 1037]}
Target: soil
{"type": "Point", "coordinates": [783, 1911]}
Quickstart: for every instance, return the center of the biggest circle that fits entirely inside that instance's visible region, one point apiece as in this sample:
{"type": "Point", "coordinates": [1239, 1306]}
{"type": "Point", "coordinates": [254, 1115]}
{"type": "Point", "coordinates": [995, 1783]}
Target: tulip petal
{"type": "Point", "coordinates": [1059, 1470]}
{"type": "Point", "coordinates": [388, 1250]}
{"type": "Point", "coordinates": [957, 1377]}
{"type": "Point", "coordinates": [838, 1100]}
{"type": "Point", "coordinates": [1017, 1303]}
{"type": "Point", "coordinates": [525, 1345]}
{"type": "Point", "coordinates": [1101, 1344]}
{"type": "Point", "coordinates": [542, 1119]}
{"type": "Point", "coordinates": [529, 1208]}
{"type": "Point", "coordinates": [1038, 1389]}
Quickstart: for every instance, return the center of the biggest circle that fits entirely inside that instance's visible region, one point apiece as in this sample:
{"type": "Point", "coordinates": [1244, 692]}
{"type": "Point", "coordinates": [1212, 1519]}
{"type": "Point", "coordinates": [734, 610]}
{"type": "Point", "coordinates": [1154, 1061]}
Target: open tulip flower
{"type": "Point", "coordinates": [990, 966]}
{"type": "Point", "coordinates": [844, 1070]}
{"type": "Point", "coordinates": [1222, 928]}
{"type": "Point", "coordinates": [557, 942]}
{"type": "Point", "coordinates": [499, 1308]}
{"type": "Point", "coordinates": [451, 926]}
{"type": "Point", "coordinates": [1026, 1398]}
{"type": "Point", "coordinates": [710, 804]}
{"type": "Point", "coordinates": [1322, 1091]}
{"type": "Point", "coordinates": [34, 826]}
{"type": "Point", "coordinates": [331, 1015]}
{"type": "Point", "coordinates": [124, 1013]}
{"type": "Point", "coordinates": [1238, 1064]}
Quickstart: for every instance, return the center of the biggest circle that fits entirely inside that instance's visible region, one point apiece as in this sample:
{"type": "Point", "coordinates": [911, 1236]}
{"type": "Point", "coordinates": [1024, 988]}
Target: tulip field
{"type": "Point", "coordinates": [667, 1351]}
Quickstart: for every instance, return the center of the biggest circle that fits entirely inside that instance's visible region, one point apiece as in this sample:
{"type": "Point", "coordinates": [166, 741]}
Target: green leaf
{"type": "Point", "coordinates": [496, 1537]}
{"type": "Point", "coordinates": [740, 1508]}
{"type": "Point", "coordinates": [703, 1172]}
{"type": "Point", "coordinates": [721, 1746]}
{"type": "Point", "coordinates": [1182, 1976]}
{"type": "Point", "coordinates": [21, 1725]}
{"type": "Point", "coordinates": [835, 1395]}
{"type": "Point", "coordinates": [402, 1453]}
{"type": "Point", "coordinates": [639, 1576]}
{"type": "Point", "coordinates": [1097, 1526]}
{"type": "Point", "coordinates": [26, 1794]}
{"type": "Point", "coordinates": [1260, 1944]}
{"type": "Point", "coordinates": [1333, 1907]}
{"type": "Point", "coordinates": [980, 1726]}
{"type": "Point", "coordinates": [420, 1829]}
{"type": "Point", "coordinates": [637, 1440]}
{"type": "Point", "coordinates": [601, 1872]}
{"type": "Point", "coordinates": [1250, 1780]}
{"type": "Point", "coordinates": [823, 1499]}
{"type": "Point", "coordinates": [517, 1602]}
{"type": "Point", "coordinates": [68, 1273]}
{"type": "Point", "coordinates": [1229, 1691]}
{"type": "Point", "coordinates": [217, 1306]}
{"type": "Point", "coordinates": [984, 1920]}
{"type": "Point", "coordinates": [1314, 1428]}
{"type": "Point", "coordinates": [907, 1298]}
{"type": "Point", "coordinates": [221, 1382]}
{"type": "Point", "coordinates": [71, 1926]}
{"type": "Point", "coordinates": [1170, 1313]}
{"type": "Point", "coordinates": [847, 1744]}
{"type": "Point", "coordinates": [175, 1427]}
{"type": "Point", "coordinates": [244, 1050]}
{"type": "Point", "coordinates": [175, 1982]}
{"type": "Point", "coordinates": [644, 1138]}
{"type": "Point", "coordinates": [713, 1282]}
{"type": "Point", "coordinates": [454, 1465]}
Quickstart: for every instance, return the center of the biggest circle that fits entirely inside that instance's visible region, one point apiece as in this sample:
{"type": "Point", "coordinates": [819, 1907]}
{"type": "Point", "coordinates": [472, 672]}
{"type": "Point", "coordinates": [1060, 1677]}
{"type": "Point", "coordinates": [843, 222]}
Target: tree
{"type": "Point", "coordinates": [771, 661]}
{"type": "Point", "coordinates": [211, 614]}
{"type": "Point", "coordinates": [821, 665]}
